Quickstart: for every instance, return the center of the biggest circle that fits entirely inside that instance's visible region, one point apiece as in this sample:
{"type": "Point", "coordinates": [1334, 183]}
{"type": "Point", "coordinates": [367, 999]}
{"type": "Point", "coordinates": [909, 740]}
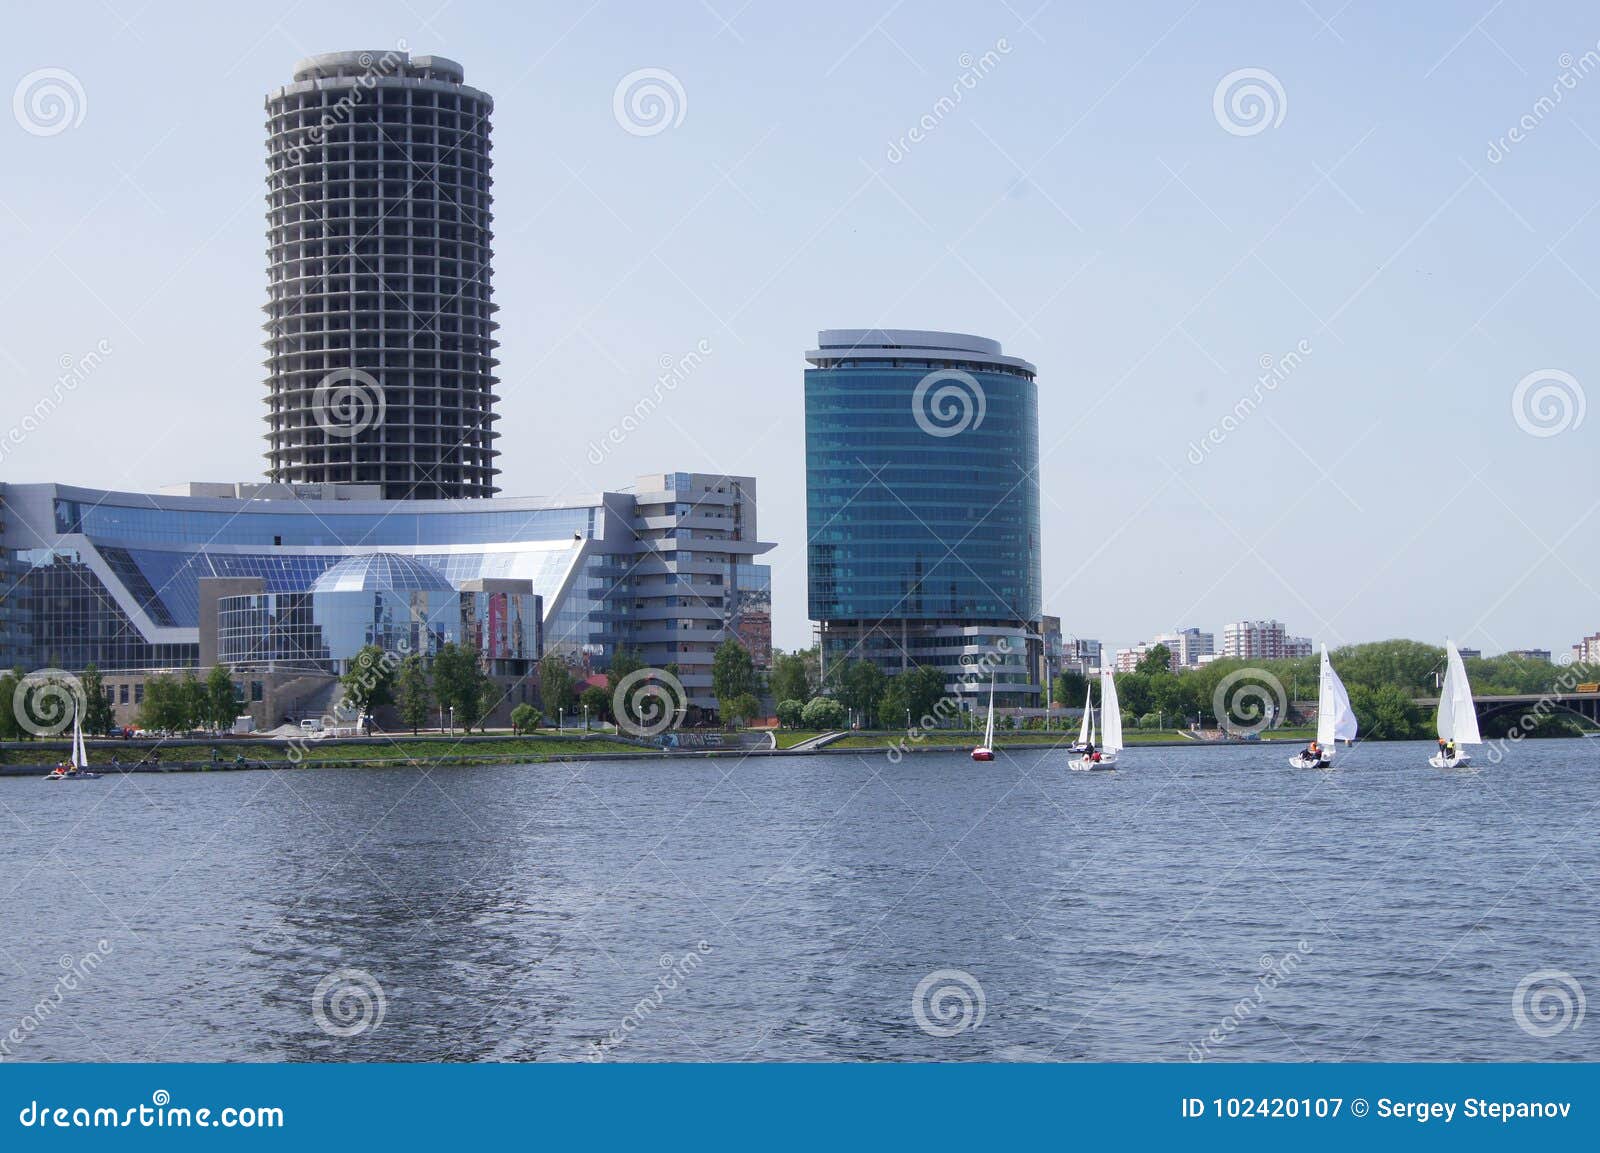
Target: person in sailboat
{"type": "Point", "coordinates": [1449, 750]}
{"type": "Point", "coordinates": [1313, 752]}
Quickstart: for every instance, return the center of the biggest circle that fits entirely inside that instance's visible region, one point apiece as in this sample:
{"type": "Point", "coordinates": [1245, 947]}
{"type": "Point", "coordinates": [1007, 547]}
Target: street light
{"type": "Point", "coordinates": [561, 719]}
{"type": "Point", "coordinates": [585, 718]}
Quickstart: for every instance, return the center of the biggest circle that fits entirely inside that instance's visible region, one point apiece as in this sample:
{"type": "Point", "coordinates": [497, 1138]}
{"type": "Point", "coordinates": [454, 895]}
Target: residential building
{"type": "Point", "coordinates": [380, 327]}
{"type": "Point", "coordinates": [1262, 641]}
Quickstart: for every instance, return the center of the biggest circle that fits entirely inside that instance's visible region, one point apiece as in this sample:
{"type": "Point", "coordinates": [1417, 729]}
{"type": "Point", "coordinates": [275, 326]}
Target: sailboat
{"type": "Point", "coordinates": [1336, 720]}
{"type": "Point", "coordinates": [1086, 729]}
{"type": "Point", "coordinates": [985, 751]}
{"type": "Point", "coordinates": [77, 768]}
{"type": "Point", "coordinates": [1458, 716]}
{"type": "Point", "coordinates": [1105, 757]}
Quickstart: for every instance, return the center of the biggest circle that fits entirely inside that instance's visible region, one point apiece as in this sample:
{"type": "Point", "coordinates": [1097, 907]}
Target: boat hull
{"type": "Point", "coordinates": [1459, 761]}
{"type": "Point", "coordinates": [982, 755]}
{"type": "Point", "coordinates": [1304, 762]}
{"type": "Point", "coordinates": [1085, 765]}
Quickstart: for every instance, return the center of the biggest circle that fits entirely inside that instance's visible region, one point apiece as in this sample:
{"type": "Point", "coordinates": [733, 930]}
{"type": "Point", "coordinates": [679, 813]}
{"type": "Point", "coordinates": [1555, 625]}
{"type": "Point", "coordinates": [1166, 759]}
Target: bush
{"type": "Point", "coordinates": [791, 713]}
{"type": "Point", "coordinates": [822, 713]}
{"type": "Point", "coordinates": [524, 719]}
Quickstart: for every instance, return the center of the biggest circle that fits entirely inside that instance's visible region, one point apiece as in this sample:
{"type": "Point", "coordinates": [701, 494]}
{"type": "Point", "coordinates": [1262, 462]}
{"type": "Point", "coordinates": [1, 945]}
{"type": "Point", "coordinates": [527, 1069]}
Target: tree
{"type": "Point", "coordinates": [524, 718]}
{"type": "Point", "coordinates": [222, 706]}
{"type": "Point", "coordinates": [733, 673]}
{"type": "Point", "coordinates": [369, 683]}
{"type": "Point", "coordinates": [10, 728]}
{"type": "Point", "coordinates": [861, 686]}
{"type": "Point", "coordinates": [1387, 712]}
{"type": "Point", "coordinates": [823, 713]}
{"type": "Point", "coordinates": [922, 692]}
{"type": "Point", "coordinates": [1157, 659]}
{"type": "Point", "coordinates": [416, 698]}
{"type": "Point", "coordinates": [1070, 687]}
{"type": "Point", "coordinates": [742, 709]}
{"type": "Point", "coordinates": [555, 685]}
{"type": "Point", "coordinates": [597, 703]}
{"type": "Point", "coordinates": [194, 705]}
{"type": "Point", "coordinates": [460, 685]}
{"type": "Point", "coordinates": [790, 713]}
{"type": "Point", "coordinates": [98, 717]}
{"type": "Point", "coordinates": [624, 663]}
{"type": "Point", "coordinates": [164, 706]}
{"type": "Point", "coordinates": [790, 678]}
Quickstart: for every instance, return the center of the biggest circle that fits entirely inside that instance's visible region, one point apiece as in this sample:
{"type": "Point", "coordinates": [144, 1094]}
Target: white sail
{"type": "Point", "coordinates": [1461, 714]}
{"type": "Point", "coordinates": [80, 755]}
{"type": "Point", "coordinates": [1088, 712]}
{"type": "Point", "coordinates": [1111, 714]}
{"type": "Point", "coordinates": [1336, 720]}
{"type": "Point", "coordinates": [988, 730]}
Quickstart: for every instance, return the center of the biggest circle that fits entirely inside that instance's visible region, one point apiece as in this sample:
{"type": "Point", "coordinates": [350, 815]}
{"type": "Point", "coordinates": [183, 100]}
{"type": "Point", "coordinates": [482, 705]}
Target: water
{"type": "Point", "coordinates": [523, 913]}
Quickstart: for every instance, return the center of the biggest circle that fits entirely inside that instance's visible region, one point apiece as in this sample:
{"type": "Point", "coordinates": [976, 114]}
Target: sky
{"type": "Point", "coordinates": [1422, 284]}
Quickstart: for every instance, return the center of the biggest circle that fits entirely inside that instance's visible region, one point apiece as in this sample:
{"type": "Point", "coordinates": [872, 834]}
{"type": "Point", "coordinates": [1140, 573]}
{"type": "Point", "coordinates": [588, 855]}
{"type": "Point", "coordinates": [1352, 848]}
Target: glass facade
{"type": "Point", "coordinates": [922, 502]}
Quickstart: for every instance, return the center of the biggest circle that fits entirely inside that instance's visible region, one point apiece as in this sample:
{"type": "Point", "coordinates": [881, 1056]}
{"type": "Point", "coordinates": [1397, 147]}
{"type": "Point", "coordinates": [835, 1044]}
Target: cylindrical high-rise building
{"type": "Point", "coordinates": [922, 508]}
{"type": "Point", "coordinates": [380, 338]}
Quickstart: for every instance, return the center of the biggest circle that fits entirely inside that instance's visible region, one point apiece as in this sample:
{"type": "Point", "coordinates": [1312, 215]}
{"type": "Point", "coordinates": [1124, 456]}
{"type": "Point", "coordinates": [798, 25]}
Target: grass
{"type": "Point", "coordinates": [789, 738]}
{"type": "Point", "coordinates": [398, 751]}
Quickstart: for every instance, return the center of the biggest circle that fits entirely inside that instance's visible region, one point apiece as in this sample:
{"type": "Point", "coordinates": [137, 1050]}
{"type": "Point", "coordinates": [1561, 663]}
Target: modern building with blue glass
{"type": "Point", "coordinates": [922, 507]}
{"type": "Point", "coordinates": [292, 580]}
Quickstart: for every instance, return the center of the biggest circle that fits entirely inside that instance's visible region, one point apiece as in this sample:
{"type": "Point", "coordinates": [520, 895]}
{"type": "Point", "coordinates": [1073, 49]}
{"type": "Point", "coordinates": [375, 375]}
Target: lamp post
{"type": "Point", "coordinates": [585, 718]}
{"type": "Point", "coordinates": [452, 720]}
{"type": "Point", "coordinates": [561, 719]}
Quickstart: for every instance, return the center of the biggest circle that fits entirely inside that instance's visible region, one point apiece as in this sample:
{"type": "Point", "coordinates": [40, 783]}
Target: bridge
{"type": "Point", "coordinates": [1585, 705]}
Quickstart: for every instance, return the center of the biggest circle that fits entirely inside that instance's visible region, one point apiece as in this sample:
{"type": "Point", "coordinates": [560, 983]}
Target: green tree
{"type": "Point", "coordinates": [823, 713]}
{"type": "Point", "coordinates": [1157, 659]}
{"type": "Point", "coordinates": [369, 683]}
{"type": "Point", "coordinates": [98, 717]}
{"type": "Point", "coordinates": [624, 663]}
{"type": "Point", "coordinates": [790, 678]}
{"type": "Point", "coordinates": [861, 686]}
{"type": "Point", "coordinates": [1387, 712]}
{"type": "Point", "coordinates": [524, 718]}
{"type": "Point", "coordinates": [913, 695]}
{"type": "Point", "coordinates": [165, 706]}
{"type": "Point", "coordinates": [733, 673]}
{"type": "Point", "coordinates": [194, 704]}
{"type": "Point", "coordinates": [1070, 688]}
{"type": "Point", "coordinates": [222, 705]}
{"type": "Point", "coordinates": [597, 701]}
{"type": "Point", "coordinates": [555, 685]}
{"type": "Point", "coordinates": [10, 728]}
{"type": "Point", "coordinates": [743, 709]}
{"type": "Point", "coordinates": [460, 685]}
{"type": "Point", "coordinates": [790, 713]}
{"type": "Point", "coordinates": [416, 697]}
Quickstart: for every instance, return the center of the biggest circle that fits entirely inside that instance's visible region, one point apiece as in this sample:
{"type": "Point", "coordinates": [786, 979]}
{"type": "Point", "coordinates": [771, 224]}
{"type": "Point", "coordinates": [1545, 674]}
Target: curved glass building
{"type": "Point", "coordinates": [922, 506]}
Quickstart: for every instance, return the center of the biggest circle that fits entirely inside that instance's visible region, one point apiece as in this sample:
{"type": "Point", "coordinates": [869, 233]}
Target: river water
{"type": "Point", "coordinates": [1198, 903]}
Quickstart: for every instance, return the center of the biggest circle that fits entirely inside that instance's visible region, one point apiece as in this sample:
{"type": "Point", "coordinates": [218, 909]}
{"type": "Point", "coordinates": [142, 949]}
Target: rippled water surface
{"type": "Point", "coordinates": [788, 908]}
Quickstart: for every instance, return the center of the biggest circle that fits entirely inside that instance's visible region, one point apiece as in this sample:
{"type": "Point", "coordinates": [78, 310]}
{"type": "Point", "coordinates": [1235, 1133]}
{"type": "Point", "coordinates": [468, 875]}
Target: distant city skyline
{"type": "Point", "coordinates": [1325, 361]}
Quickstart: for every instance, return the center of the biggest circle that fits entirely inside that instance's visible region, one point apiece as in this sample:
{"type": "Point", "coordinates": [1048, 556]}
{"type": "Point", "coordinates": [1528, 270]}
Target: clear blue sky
{"type": "Point", "coordinates": [1082, 203]}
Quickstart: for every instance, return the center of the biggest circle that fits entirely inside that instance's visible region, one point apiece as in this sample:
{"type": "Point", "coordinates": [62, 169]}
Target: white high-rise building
{"type": "Point", "coordinates": [1261, 641]}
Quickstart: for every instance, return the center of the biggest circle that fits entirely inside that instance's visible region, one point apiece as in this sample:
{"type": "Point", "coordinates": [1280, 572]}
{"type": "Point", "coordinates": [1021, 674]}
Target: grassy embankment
{"type": "Point", "coordinates": [277, 754]}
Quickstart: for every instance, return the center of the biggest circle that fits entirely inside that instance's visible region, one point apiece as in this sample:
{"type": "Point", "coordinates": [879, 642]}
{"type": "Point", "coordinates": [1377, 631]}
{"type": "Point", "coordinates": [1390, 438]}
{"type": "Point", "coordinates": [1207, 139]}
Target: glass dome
{"type": "Point", "coordinates": [382, 572]}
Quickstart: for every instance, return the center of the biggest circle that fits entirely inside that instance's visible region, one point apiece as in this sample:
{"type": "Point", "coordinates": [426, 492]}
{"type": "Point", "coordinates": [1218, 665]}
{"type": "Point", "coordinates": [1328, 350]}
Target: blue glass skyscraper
{"type": "Point", "coordinates": [922, 505]}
